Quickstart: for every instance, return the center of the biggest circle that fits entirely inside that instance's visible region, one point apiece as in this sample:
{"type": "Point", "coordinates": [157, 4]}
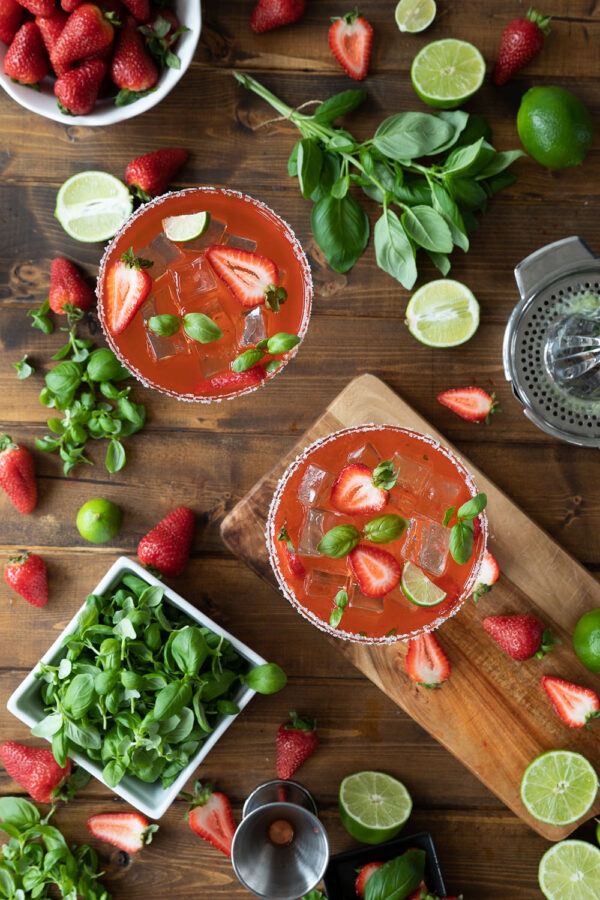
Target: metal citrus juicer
{"type": "Point", "coordinates": [280, 849]}
{"type": "Point", "coordinates": [551, 348]}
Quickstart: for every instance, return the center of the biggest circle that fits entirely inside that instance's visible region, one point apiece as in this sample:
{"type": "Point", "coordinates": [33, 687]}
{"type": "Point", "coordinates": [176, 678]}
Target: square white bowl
{"type": "Point", "coordinates": [152, 799]}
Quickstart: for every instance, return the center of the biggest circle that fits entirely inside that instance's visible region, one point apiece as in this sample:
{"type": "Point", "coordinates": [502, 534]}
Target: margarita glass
{"type": "Point", "coordinates": [183, 282]}
{"type": "Point", "coordinates": [429, 479]}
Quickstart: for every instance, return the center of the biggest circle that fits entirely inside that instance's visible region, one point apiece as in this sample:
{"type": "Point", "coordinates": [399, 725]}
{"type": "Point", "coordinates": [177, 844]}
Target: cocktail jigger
{"type": "Point", "coordinates": [279, 791]}
{"type": "Point", "coordinates": [280, 850]}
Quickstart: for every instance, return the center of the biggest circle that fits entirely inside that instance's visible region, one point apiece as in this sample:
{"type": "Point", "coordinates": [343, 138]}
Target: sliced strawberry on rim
{"type": "Point", "coordinates": [251, 278]}
{"type": "Point", "coordinates": [229, 381]}
{"type": "Point", "coordinates": [574, 704]}
{"type": "Point", "coordinates": [470, 403]}
{"type": "Point", "coordinates": [363, 876]}
{"type": "Point", "coordinates": [350, 39]}
{"type": "Point", "coordinates": [376, 571]}
{"type": "Point", "coordinates": [295, 564]}
{"type": "Point", "coordinates": [127, 286]}
{"type": "Point", "coordinates": [426, 662]}
{"type": "Point", "coordinates": [354, 491]}
{"type": "Point", "coordinates": [489, 574]}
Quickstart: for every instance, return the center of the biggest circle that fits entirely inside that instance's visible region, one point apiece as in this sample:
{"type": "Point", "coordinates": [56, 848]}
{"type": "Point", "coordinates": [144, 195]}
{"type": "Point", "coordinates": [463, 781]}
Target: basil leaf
{"type": "Point", "coordinates": [385, 529]}
{"type": "Point", "coordinates": [336, 617]}
{"type": "Point", "coordinates": [113, 772]}
{"type": "Point", "coordinates": [104, 682]}
{"type": "Point", "coordinates": [339, 541]}
{"type": "Point", "coordinates": [133, 412]}
{"type": "Point", "coordinates": [189, 649]}
{"type": "Point", "coordinates": [165, 326]}
{"type": "Point", "coordinates": [340, 188]}
{"type": "Point", "coordinates": [80, 695]}
{"type": "Point", "coordinates": [282, 342]}
{"type": "Point", "coordinates": [48, 726]}
{"type": "Point", "coordinates": [293, 161]}
{"type": "Point", "coordinates": [247, 359]}
{"type": "Point", "coordinates": [338, 105]}
{"type": "Point", "coordinates": [462, 159]}
{"type": "Point", "coordinates": [458, 120]}
{"type": "Point", "coordinates": [63, 380]}
{"type": "Point", "coordinates": [124, 628]}
{"type": "Point", "coordinates": [103, 365]}
{"type": "Point", "coordinates": [88, 737]}
{"type": "Point", "coordinates": [440, 261]}
{"type": "Point", "coordinates": [427, 228]}
{"type": "Point", "coordinates": [115, 456]}
{"type": "Point", "coordinates": [498, 182]}
{"type": "Point", "coordinates": [448, 515]}
{"type": "Point", "coordinates": [171, 700]}
{"type": "Point", "coordinates": [476, 127]}
{"type": "Point", "coordinates": [445, 205]}
{"type": "Point", "coordinates": [40, 319]}
{"type": "Point", "coordinates": [466, 192]}
{"type": "Point", "coordinates": [408, 135]}
{"type": "Point", "coordinates": [266, 679]}
{"type": "Point", "coordinates": [393, 250]}
{"type": "Point", "coordinates": [472, 508]}
{"type": "Point", "coordinates": [24, 369]}
{"type": "Point", "coordinates": [461, 543]}
{"type": "Point", "coordinates": [385, 177]}
{"type": "Point", "coordinates": [17, 812]}
{"type": "Point", "coordinates": [182, 728]}
{"type": "Point", "coordinates": [60, 747]}
{"type": "Point", "coordinates": [384, 475]}
{"type": "Point", "coordinates": [499, 163]}
{"type": "Point", "coordinates": [341, 229]}
{"type": "Point", "coordinates": [201, 328]}
{"type": "Point", "coordinates": [397, 878]}
{"type": "Point", "coordinates": [342, 141]}
{"type": "Point", "coordinates": [329, 175]}
{"type": "Point", "coordinates": [414, 190]}
{"type": "Point", "coordinates": [309, 162]}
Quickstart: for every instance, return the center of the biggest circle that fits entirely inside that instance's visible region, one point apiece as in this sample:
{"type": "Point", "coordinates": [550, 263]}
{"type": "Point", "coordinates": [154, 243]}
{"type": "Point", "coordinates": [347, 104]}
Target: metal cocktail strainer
{"type": "Point", "coordinates": [551, 346]}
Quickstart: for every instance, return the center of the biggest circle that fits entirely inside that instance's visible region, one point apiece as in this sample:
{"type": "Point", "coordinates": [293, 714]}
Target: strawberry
{"type": "Point", "coordinates": [87, 31]}
{"type": "Point", "coordinates": [295, 564]}
{"type": "Point", "coordinates": [127, 286]}
{"type": "Point", "coordinates": [11, 14]}
{"type": "Point", "coordinates": [139, 9]}
{"type": "Point", "coordinates": [167, 545]}
{"type": "Point", "coordinates": [210, 816]}
{"type": "Point", "coordinates": [151, 174]}
{"type": "Point", "coordinates": [132, 68]}
{"type": "Point", "coordinates": [128, 831]}
{"type": "Point", "coordinates": [34, 769]}
{"type": "Point", "coordinates": [422, 893]}
{"type": "Point", "coordinates": [70, 5]}
{"type": "Point", "coordinates": [521, 41]}
{"type": "Point", "coordinates": [161, 34]}
{"type": "Point", "coordinates": [520, 636]}
{"type": "Point", "coordinates": [17, 474]}
{"type": "Point", "coordinates": [574, 704]}
{"type": "Point", "coordinates": [232, 381]}
{"type": "Point", "coordinates": [376, 571]}
{"type": "Point", "coordinates": [470, 403]}
{"type": "Point", "coordinates": [354, 492]}
{"type": "Point", "coordinates": [66, 282]}
{"type": "Point", "coordinates": [51, 28]}
{"type": "Point", "coordinates": [489, 574]}
{"type": "Point", "coordinates": [350, 39]}
{"type": "Point", "coordinates": [363, 876]}
{"type": "Point", "coordinates": [250, 277]}
{"type": "Point", "coordinates": [426, 662]}
{"type": "Point", "coordinates": [26, 574]}
{"type": "Point", "coordinates": [296, 741]}
{"type": "Point", "coordinates": [39, 7]}
{"type": "Point", "coordinates": [269, 14]}
{"type": "Point", "coordinates": [77, 91]}
{"type": "Point", "coordinates": [26, 59]}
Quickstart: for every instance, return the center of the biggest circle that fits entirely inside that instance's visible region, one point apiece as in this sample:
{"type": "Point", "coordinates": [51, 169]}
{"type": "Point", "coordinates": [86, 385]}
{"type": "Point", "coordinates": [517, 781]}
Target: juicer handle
{"type": "Point", "coordinates": [549, 262]}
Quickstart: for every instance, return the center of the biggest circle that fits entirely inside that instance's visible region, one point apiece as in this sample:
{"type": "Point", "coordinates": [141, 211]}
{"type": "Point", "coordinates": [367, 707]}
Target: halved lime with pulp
{"type": "Point", "coordinates": [373, 806]}
{"type": "Point", "coordinates": [186, 228]}
{"type": "Point", "coordinates": [443, 313]}
{"type": "Point", "coordinates": [559, 787]}
{"type": "Point", "coordinates": [446, 73]}
{"type": "Point", "coordinates": [418, 588]}
{"type": "Point", "coordinates": [570, 870]}
{"type": "Point", "coordinates": [415, 15]}
{"type": "Point", "coordinates": [92, 206]}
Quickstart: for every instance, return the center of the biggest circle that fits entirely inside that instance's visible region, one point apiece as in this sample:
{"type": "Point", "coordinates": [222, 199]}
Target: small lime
{"type": "Point", "coordinates": [99, 520]}
{"type": "Point", "coordinates": [554, 126]}
{"type": "Point", "coordinates": [586, 640]}
{"type": "Point", "coordinates": [373, 806]}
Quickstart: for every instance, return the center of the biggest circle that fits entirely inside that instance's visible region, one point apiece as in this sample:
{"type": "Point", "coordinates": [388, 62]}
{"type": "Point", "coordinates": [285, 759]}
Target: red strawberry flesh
{"type": "Point", "coordinates": [295, 742]}
{"type": "Point", "coordinates": [125, 830]}
{"type": "Point", "coordinates": [354, 492]}
{"type": "Point", "coordinates": [210, 817]}
{"type": "Point", "coordinates": [470, 403]}
{"type": "Point", "coordinates": [350, 39]}
{"type": "Point", "coordinates": [127, 287]}
{"type": "Point", "coordinates": [574, 704]}
{"type": "Point", "coordinates": [269, 14]}
{"type": "Point", "coordinates": [376, 571]}
{"type": "Point", "coordinates": [247, 275]}
{"type": "Point", "coordinates": [363, 876]}
{"type": "Point", "coordinates": [426, 661]}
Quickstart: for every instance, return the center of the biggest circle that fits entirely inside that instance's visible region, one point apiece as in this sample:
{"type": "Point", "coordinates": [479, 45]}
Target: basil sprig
{"type": "Point", "coordinates": [281, 342]}
{"type": "Point", "coordinates": [340, 540]}
{"type": "Point", "coordinates": [384, 475]}
{"type": "Point", "coordinates": [24, 369]}
{"type": "Point", "coordinates": [340, 603]}
{"type": "Point", "coordinates": [462, 532]}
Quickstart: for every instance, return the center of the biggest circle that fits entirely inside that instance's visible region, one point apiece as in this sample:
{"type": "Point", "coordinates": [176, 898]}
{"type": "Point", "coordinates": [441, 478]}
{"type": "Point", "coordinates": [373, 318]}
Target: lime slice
{"type": "Point", "coordinates": [446, 73]}
{"type": "Point", "coordinates": [443, 313]}
{"type": "Point", "coordinates": [418, 588]}
{"type": "Point", "coordinates": [570, 870]}
{"type": "Point", "coordinates": [559, 787]}
{"type": "Point", "coordinates": [415, 15]}
{"type": "Point", "coordinates": [92, 206]}
{"type": "Point", "coordinates": [185, 228]}
{"type": "Point", "coordinates": [373, 806]}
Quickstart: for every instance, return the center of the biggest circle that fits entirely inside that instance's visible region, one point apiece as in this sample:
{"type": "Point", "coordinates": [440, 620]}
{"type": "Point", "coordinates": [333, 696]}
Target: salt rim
{"type": "Point", "coordinates": [274, 558]}
{"type": "Point", "coordinates": [297, 250]}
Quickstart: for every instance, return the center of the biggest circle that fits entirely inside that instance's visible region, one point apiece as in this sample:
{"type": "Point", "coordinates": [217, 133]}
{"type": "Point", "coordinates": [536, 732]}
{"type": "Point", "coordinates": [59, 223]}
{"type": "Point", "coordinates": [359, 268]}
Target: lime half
{"type": "Point", "coordinates": [186, 228]}
{"type": "Point", "coordinates": [446, 73]}
{"type": "Point", "coordinates": [443, 313]}
{"type": "Point", "coordinates": [559, 787]}
{"type": "Point", "coordinates": [415, 15]}
{"type": "Point", "coordinates": [373, 806]}
{"type": "Point", "coordinates": [418, 588]}
{"type": "Point", "coordinates": [92, 206]}
{"type": "Point", "coordinates": [570, 870]}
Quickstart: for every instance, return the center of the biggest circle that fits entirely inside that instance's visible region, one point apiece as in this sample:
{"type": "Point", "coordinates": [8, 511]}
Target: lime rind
{"type": "Point", "coordinates": [91, 206]}
{"type": "Point", "coordinates": [570, 870]}
{"type": "Point", "coordinates": [187, 227]}
{"type": "Point", "coordinates": [419, 588]}
{"type": "Point", "coordinates": [446, 73]}
{"type": "Point", "coordinates": [443, 313]}
{"type": "Point", "coordinates": [559, 787]}
{"type": "Point", "coordinates": [414, 16]}
{"type": "Point", "coordinates": [375, 800]}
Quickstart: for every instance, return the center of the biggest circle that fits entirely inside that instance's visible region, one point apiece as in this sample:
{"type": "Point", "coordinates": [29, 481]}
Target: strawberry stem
{"type": "Point", "coordinates": [7, 443]}
{"type": "Point", "coordinates": [539, 19]}
{"type": "Point", "coordinates": [301, 723]}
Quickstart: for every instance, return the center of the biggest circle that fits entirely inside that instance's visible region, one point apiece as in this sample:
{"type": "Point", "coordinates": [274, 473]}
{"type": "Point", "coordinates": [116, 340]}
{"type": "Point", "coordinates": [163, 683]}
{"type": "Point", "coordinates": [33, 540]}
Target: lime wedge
{"type": "Point", "coordinates": [415, 15]}
{"type": "Point", "coordinates": [418, 588]}
{"type": "Point", "coordinates": [443, 313]}
{"type": "Point", "coordinates": [570, 870]}
{"type": "Point", "coordinates": [92, 206]}
{"type": "Point", "coordinates": [186, 228]}
{"type": "Point", "coordinates": [446, 73]}
{"type": "Point", "coordinates": [373, 806]}
{"type": "Point", "coordinates": [559, 787]}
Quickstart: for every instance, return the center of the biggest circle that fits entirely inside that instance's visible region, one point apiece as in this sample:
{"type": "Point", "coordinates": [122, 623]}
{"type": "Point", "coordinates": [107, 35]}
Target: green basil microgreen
{"type": "Point", "coordinates": [40, 318]}
{"type": "Point", "coordinates": [200, 327]}
{"type": "Point", "coordinates": [340, 603]}
{"type": "Point", "coordinates": [164, 326]}
{"type": "Point", "coordinates": [384, 475]}
{"type": "Point", "coordinates": [247, 359]}
{"type": "Point", "coordinates": [385, 529]}
{"type": "Point", "coordinates": [339, 541]}
{"type": "Point", "coordinates": [24, 369]}
{"type": "Point", "coordinates": [462, 532]}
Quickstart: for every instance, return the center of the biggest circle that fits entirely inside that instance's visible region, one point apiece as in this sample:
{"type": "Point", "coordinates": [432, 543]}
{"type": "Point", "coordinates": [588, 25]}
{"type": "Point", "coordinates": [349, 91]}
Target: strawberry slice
{"type": "Point", "coordinates": [232, 381]}
{"type": "Point", "coordinates": [295, 564]}
{"type": "Point", "coordinates": [363, 876]}
{"type": "Point", "coordinates": [376, 571]}
{"type": "Point", "coordinates": [470, 403]}
{"type": "Point", "coordinates": [488, 574]}
{"type": "Point", "coordinates": [354, 491]}
{"type": "Point", "coordinates": [127, 286]}
{"type": "Point", "coordinates": [210, 816]}
{"type": "Point", "coordinates": [426, 662]}
{"type": "Point", "coordinates": [250, 277]}
{"type": "Point", "coordinates": [574, 704]}
{"type": "Point", "coordinates": [350, 39]}
{"type": "Point", "coordinates": [128, 831]}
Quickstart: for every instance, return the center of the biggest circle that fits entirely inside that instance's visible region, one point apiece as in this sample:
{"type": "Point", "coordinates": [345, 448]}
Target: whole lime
{"type": "Point", "coordinates": [99, 520]}
{"type": "Point", "coordinates": [555, 127]}
{"type": "Point", "coordinates": [586, 640]}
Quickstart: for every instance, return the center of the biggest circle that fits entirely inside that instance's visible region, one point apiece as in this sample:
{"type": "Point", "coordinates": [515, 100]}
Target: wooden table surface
{"type": "Point", "coordinates": [207, 457]}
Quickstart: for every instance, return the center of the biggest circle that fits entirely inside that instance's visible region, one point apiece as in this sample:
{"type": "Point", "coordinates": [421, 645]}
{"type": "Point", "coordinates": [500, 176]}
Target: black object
{"type": "Point", "coordinates": [340, 874]}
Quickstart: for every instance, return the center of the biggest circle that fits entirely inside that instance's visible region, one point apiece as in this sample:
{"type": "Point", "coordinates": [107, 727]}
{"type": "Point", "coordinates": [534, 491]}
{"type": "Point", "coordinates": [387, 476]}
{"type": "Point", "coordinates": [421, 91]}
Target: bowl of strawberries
{"type": "Point", "coordinates": [94, 63]}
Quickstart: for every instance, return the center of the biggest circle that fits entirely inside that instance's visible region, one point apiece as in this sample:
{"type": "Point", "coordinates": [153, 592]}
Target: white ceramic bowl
{"type": "Point", "coordinates": [188, 12]}
{"type": "Point", "coordinates": [151, 799]}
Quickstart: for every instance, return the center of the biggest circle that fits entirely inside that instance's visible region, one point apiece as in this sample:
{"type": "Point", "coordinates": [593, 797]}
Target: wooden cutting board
{"type": "Point", "coordinates": [492, 713]}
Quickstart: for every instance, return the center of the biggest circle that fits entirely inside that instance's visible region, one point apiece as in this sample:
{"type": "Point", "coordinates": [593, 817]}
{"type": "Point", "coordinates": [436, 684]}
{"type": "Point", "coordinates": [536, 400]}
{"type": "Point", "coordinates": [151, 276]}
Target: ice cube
{"type": "Point", "coordinates": [437, 497]}
{"type": "Point", "coordinates": [367, 455]}
{"type": "Point", "coordinates": [161, 252]}
{"type": "Point", "coordinates": [157, 346]}
{"type": "Point", "coordinates": [316, 482]}
{"type": "Point", "coordinates": [412, 475]}
{"type": "Point", "coordinates": [427, 545]}
{"type": "Point", "coordinates": [240, 243]}
{"type": "Point", "coordinates": [216, 356]}
{"type": "Point", "coordinates": [324, 584]}
{"type": "Point", "coordinates": [213, 235]}
{"type": "Point", "coordinates": [251, 327]}
{"type": "Point", "coordinates": [193, 279]}
{"type": "Point", "coordinates": [318, 522]}
{"type": "Point", "coordinates": [358, 600]}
